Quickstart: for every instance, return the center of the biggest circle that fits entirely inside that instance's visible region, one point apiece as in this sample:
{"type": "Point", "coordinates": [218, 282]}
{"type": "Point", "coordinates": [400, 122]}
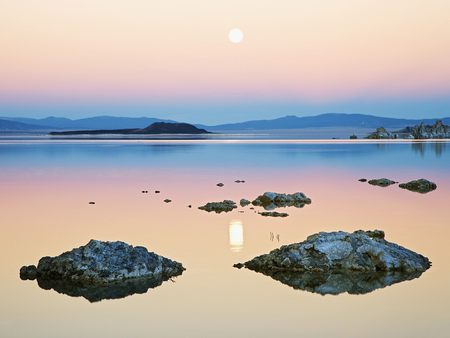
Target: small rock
{"type": "Point", "coordinates": [28, 272]}
{"type": "Point", "coordinates": [220, 184]}
{"type": "Point", "coordinates": [145, 191]}
{"type": "Point", "coordinates": [91, 202]}
{"type": "Point", "coordinates": [273, 214]}
{"type": "Point", "coordinates": [363, 180]}
{"type": "Point", "coordinates": [157, 191]}
{"type": "Point", "coordinates": [238, 265]}
{"type": "Point", "coordinates": [189, 206]}
{"type": "Point", "coordinates": [239, 181]}
{"type": "Point", "coordinates": [244, 202]}
{"type": "Point", "coordinates": [218, 207]}
{"type": "Point", "coordinates": [422, 186]}
{"type": "Point", "coordinates": [167, 200]}
{"type": "Point", "coordinates": [382, 182]}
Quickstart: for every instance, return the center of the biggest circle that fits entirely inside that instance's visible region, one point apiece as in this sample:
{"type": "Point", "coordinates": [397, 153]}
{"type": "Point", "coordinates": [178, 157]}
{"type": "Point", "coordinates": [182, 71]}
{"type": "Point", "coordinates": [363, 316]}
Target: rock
{"type": "Point", "coordinates": [238, 265]}
{"type": "Point", "coordinates": [353, 137]}
{"type": "Point", "coordinates": [101, 263]}
{"type": "Point", "coordinates": [363, 251]}
{"type": "Point", "coordinates": [273, 214]}
{"type": "Point", "coordinates": [239, 181]}
{"type": "Point", "coordinates": [244, 202]}
{"type": "Point", "coordinates": [157, 191]}
{"type": "Point", "coordinates": [362, 180]}
{"type": "Point", "coordinates": [28, 272]}
{"type": "Point", "coordinates": [167, 200]}
{"type": "Point", "coordinates": [189, 206]}
{"type": "Point", "coordinates": [145, 191]}
{"type": "Point", "coordinates": [421, 186]}
{"type": "Point", "coordinates": [218, 207]}
{"type": "Point", "coordinates": [220, 184]}
{"type": "Point", "coordinates": [272, 200]}
{"type": "Point", "coordinates": [91, 202]}
{"type": "Point", "coordinates": [381, 182]}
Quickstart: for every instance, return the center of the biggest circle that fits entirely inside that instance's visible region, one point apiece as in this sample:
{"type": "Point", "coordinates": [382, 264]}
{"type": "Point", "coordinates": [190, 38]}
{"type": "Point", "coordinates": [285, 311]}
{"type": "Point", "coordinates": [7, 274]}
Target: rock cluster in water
{"type": "Point", "coordinates": [101, 263]}
{"type": "Point", "coordinates": [421, 131]}
{"type": "Point", "coordinates": [218, 207]}
{"type": "Point", "coordinates": [272, 200]}
{"type": "Point", "coordinates": [421, 185]}
{"type": "Point", "coordinates": [363, 251]}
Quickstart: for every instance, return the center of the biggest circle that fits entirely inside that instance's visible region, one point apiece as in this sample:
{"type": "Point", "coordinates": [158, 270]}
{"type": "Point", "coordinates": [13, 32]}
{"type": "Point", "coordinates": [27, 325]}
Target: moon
{"type": "Point", "coordinates": [236, 35]}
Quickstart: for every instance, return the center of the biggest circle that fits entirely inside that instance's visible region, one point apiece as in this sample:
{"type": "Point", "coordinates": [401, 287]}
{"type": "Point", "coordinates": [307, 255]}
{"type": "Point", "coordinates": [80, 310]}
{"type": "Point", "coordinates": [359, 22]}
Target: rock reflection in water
{"type": "Point", "coordinates": [355, 283]}
{"type": "Point", "coordinates": [96, 293]}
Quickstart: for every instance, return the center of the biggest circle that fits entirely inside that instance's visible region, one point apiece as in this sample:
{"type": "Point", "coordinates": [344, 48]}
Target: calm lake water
{"type": "Point", "coordinates": [46, 186]}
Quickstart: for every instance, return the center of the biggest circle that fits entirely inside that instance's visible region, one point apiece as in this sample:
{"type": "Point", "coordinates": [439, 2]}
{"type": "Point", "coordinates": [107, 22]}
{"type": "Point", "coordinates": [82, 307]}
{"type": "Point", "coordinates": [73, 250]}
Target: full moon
{"type": "Point", "coordinates": [236, 35]}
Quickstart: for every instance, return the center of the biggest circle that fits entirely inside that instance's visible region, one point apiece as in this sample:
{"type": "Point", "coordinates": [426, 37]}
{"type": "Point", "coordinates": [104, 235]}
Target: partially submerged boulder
{"type": "Point", "coordinates": [102, 264]}
{"type": "Point", "coordinates": [363, 251]}
{"type": "Point", "coordinates": [218, 207]}
{"type": "Point", "coordinates": [382, 182]}
{"type": "Point", "coordinates": [421, 186]}
{"type": "Point", "coordinates": [272, 200]}
{"type": "Point", "coordinates": [273, 214]}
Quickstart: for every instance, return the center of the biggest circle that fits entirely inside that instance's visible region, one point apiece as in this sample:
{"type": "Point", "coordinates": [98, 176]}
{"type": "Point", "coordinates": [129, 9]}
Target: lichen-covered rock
{"type": "Point", "coordinates": [244, 202]}
{"type": "Point", "coordinates": [382, 182]}
{"type": "Point", "coordinates": [273, 214]}
{"type": "Point", "coordinates": [218, 207]}
{"type": "Point", "coordinates": [421, 185]}
{"type": "Point", "coordinates": [272, 200]}
{"type": "Point", "coordinates": [101, 263]}
{"type": "Point", "coordinates": [364, 251]}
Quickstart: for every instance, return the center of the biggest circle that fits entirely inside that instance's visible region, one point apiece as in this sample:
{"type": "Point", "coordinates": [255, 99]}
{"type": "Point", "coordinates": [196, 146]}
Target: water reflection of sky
{"type": "Point", "coordinates": [218, 155]}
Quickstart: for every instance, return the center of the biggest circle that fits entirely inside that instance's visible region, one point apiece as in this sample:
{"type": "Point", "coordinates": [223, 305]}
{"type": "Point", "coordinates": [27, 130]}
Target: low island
{"type": "Point", "coordinates": [154, 128]}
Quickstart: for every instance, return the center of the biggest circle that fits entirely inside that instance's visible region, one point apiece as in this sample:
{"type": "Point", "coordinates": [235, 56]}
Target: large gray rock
{"type": "Point", "coordinates": [421, 185]}
{"type": "Point", "coordinates": [103, 263]}
{"type": "Point", "coordinates": [218, 207]}
{"type": "Point", "coordinates": [363, 251]}
{"type": "Point", "coordinates": [272, 200]}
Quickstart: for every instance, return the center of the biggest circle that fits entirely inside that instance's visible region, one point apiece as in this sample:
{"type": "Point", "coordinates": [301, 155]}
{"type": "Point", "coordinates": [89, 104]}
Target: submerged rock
{"type": "Point", "coordinates": [272, 200]}
{"type": "Point", "coordinates": [101, 263]}
{"type": "Point", "coordinates": [273, 214]}
{"type": "Point", "coordinates": [363, 251]}
{"type": "Point", "coordinates": [218, 207]}
{"type": "Point", "coordinates": [382, 182]}
{"type": "Point", "coordinates": [421, 185]}
{"type": "Point", "coordinates": [244, 202]}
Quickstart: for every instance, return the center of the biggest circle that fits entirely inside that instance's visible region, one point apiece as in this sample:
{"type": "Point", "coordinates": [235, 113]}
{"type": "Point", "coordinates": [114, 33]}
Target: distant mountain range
{"type": "Point", "coordinates": [287, 122]}
{"type": "Point", "coordinates": [321, 121]}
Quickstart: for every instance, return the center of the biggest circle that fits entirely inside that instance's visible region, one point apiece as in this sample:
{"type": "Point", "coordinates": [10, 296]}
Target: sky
{"type": "Point", "coordinates": [173, 59]}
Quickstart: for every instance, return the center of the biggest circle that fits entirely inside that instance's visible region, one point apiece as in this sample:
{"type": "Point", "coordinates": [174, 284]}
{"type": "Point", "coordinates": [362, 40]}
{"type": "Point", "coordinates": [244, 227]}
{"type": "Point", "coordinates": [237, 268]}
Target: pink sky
{"type": "Point", "coordinates": [315, 52]}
